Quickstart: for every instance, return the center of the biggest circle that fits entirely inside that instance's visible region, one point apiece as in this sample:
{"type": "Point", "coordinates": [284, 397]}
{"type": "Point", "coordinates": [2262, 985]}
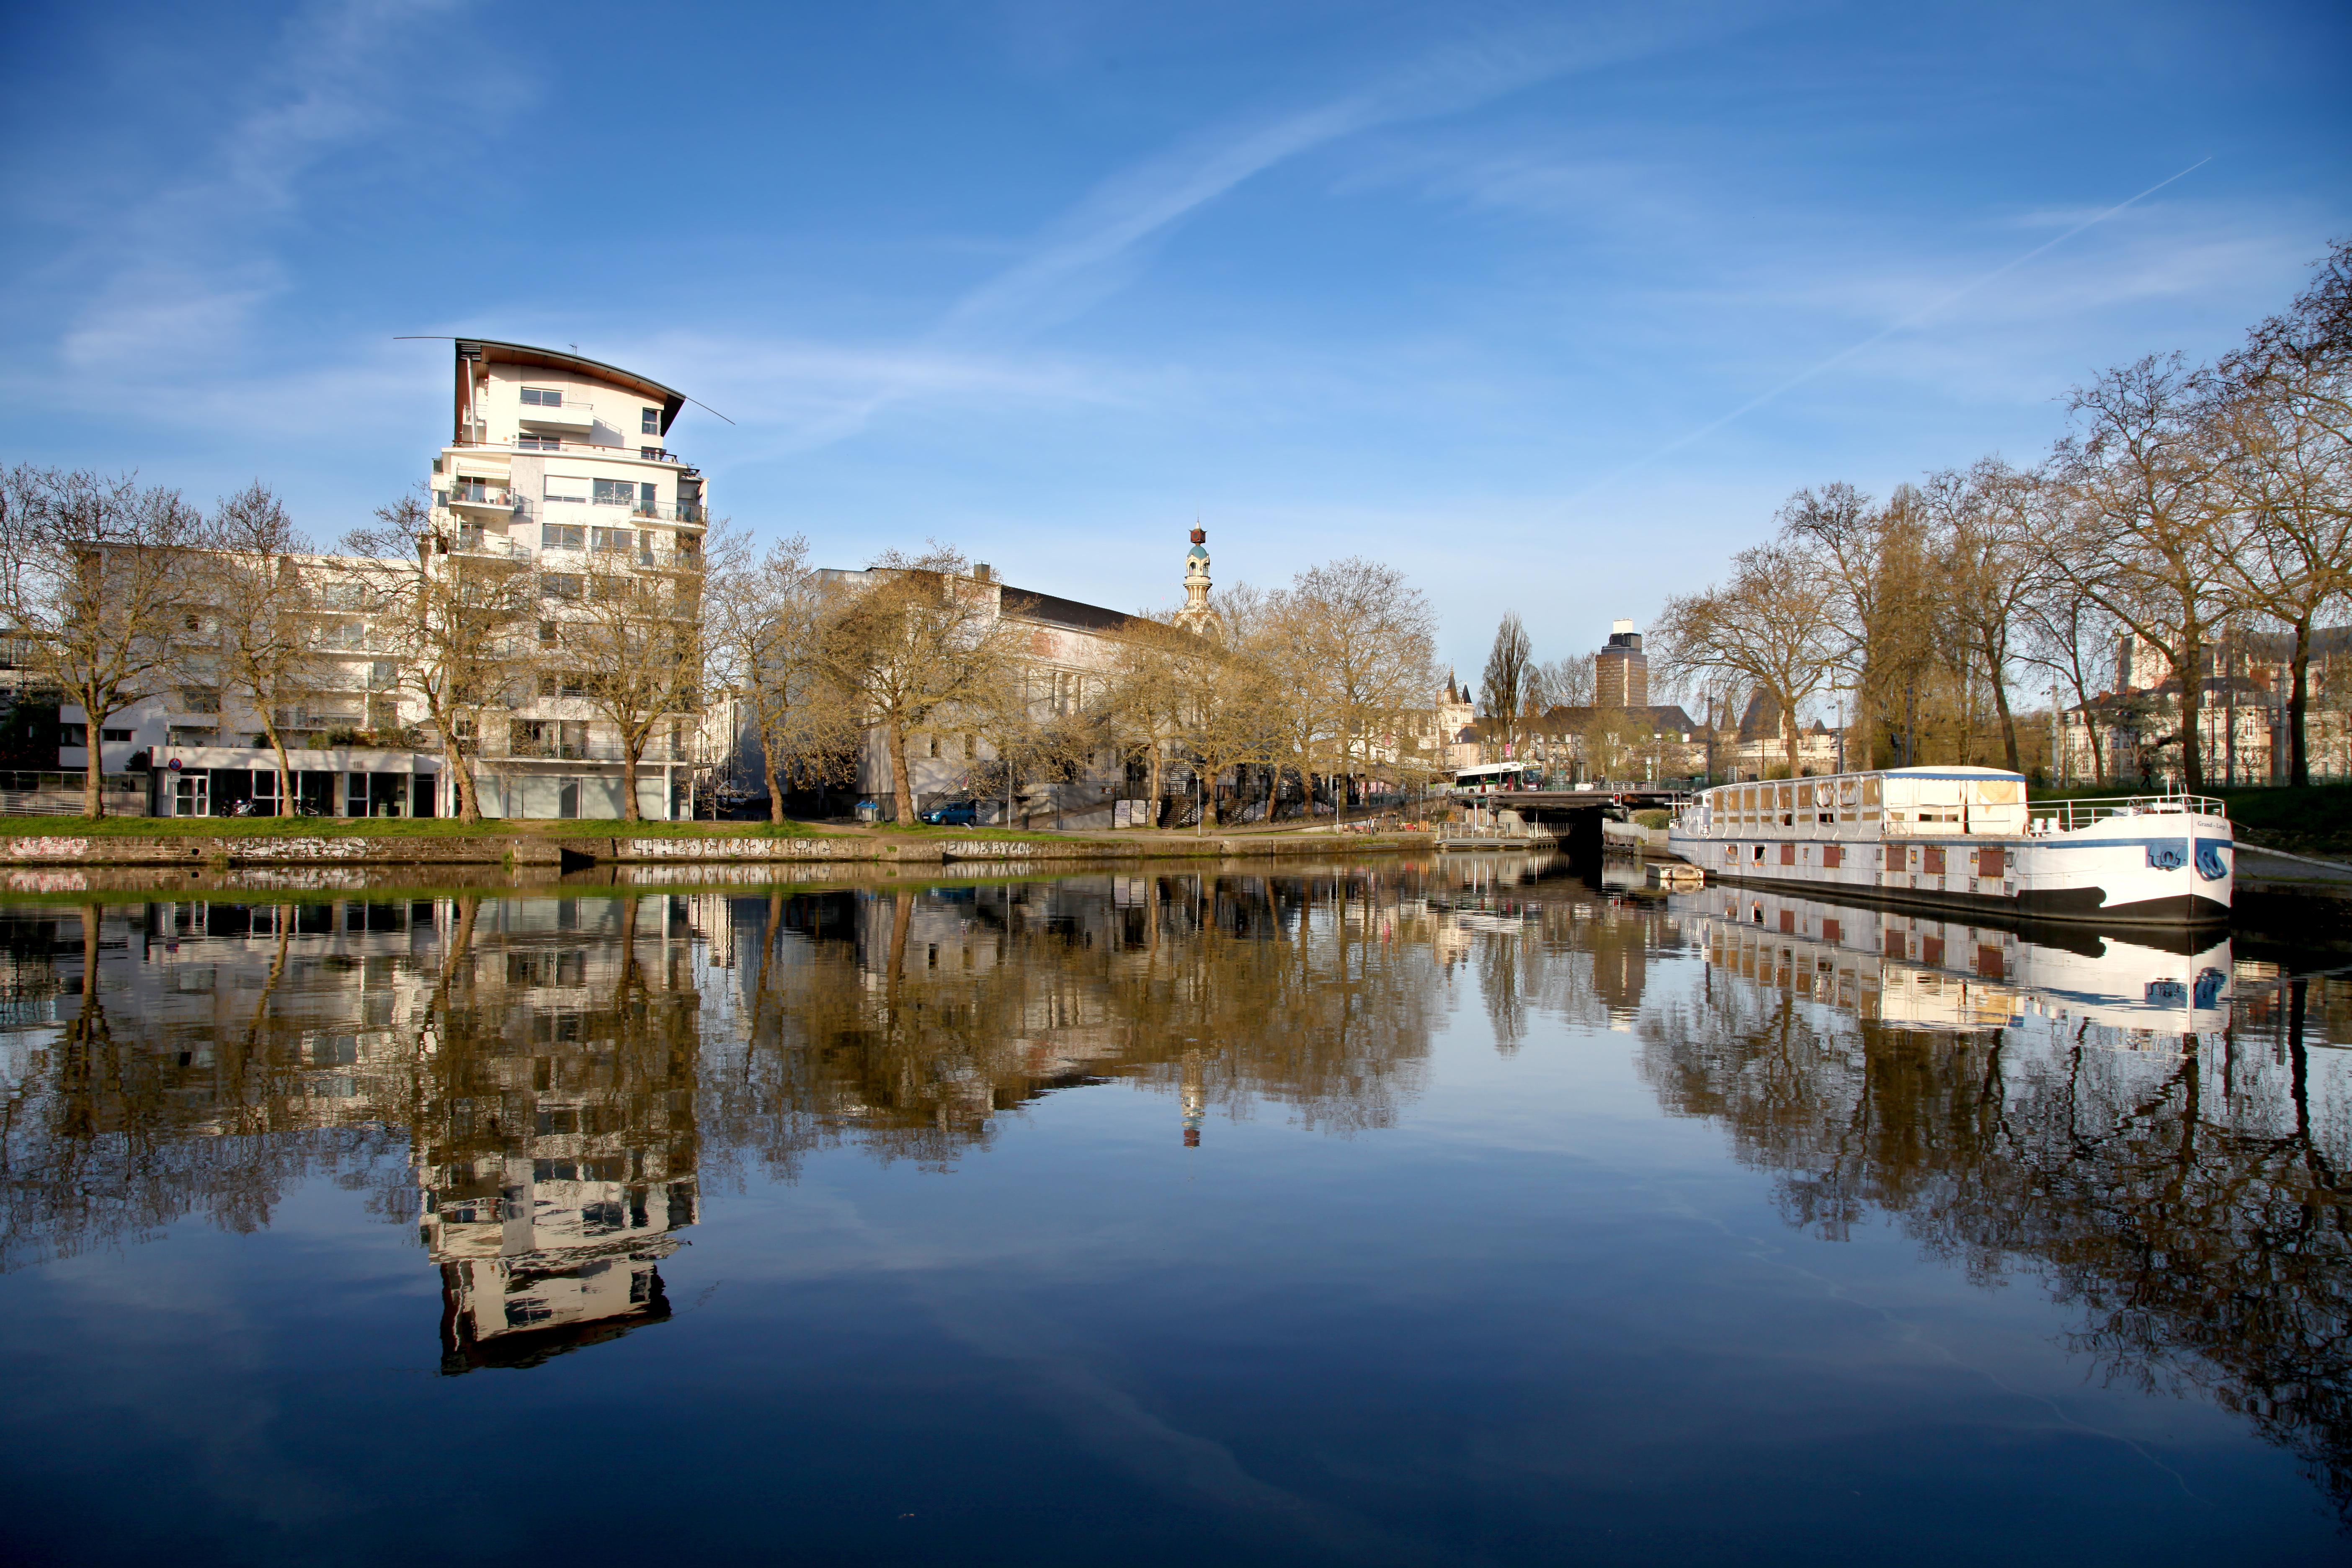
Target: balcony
{"type": "Point", "coordinates": [482, 497]}
{"type": "Point", "coordinates": [566, 415]}
{"type": "Point", "coordinates": [694, 514]}
{"type": "Point", "coordinates": [474, 542]}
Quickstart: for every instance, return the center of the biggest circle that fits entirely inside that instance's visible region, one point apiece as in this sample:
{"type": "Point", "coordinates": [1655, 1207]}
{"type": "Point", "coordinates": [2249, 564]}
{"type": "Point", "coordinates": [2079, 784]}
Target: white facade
{"type": "Point", "coordinates": [555, 463]}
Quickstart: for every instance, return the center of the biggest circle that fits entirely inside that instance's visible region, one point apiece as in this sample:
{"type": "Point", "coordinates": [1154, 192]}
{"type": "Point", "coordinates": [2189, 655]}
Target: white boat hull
{"type": "Point", "coordinates": [2163, 864]}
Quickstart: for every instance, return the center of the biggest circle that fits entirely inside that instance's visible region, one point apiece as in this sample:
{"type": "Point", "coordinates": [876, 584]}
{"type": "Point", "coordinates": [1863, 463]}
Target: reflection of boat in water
{"type": "Point", "coordinates": [1966, 837]}
{"type": "Point", "coordinates": [1939, 971]}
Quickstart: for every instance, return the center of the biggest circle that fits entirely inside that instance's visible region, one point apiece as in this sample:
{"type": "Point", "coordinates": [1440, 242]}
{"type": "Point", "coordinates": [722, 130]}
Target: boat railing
{"type": "Point", "coordinates": [2067, 815]}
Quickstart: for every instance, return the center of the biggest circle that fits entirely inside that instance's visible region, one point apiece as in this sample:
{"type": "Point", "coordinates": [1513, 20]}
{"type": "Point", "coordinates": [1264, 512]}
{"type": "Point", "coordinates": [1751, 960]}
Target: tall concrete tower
{"type": "Point", "coordinates": [1621, 672]}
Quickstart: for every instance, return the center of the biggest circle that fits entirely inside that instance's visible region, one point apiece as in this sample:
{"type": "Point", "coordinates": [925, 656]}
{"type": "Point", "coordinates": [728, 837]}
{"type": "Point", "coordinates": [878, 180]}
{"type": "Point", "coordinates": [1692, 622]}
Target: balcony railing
{"type": "Point", "coordinates": [600, 749]}
{"type": "Point", "coordinates": [594, 448]}
{"type": "Point", "coordinates": [692, 512]}
{"type": "Point", "coordinates": [2066, 815]}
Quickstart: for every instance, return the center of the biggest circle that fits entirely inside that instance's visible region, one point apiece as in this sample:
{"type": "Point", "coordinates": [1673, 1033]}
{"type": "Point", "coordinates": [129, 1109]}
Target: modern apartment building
{"type": "Point", "coordinates": [557, 463]}
{"type": "Point", "coordinates": [555, 466]}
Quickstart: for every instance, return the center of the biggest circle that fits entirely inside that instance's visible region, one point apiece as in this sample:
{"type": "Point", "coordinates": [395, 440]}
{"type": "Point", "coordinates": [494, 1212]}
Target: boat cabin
{"type": "Point", "coordinates": [1937, 803]}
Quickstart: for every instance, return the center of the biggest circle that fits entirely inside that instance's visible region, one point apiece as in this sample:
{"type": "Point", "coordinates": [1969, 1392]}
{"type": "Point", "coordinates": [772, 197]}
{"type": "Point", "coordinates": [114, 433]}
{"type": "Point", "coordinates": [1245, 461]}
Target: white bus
{"type": "Point", "coordinates": [1494, 778]}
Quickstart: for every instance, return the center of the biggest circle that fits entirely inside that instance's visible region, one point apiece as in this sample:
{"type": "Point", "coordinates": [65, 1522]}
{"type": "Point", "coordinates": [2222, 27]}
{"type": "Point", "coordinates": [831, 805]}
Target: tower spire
{"type": "Point", "coordinates": [1195, 614]}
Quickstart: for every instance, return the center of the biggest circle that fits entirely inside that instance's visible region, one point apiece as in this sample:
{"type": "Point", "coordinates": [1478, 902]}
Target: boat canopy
{"type": "Point", "coordinates": [1894, 801]}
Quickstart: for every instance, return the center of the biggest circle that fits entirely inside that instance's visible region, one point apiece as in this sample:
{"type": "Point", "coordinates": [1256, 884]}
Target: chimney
{"type": "Point", "coordinates": [982, 571]}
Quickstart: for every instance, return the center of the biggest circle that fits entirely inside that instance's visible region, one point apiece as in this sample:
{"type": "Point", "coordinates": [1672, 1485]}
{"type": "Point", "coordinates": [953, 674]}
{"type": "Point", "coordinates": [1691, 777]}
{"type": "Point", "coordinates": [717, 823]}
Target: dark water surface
{"type": "Point", "coordinates": [1467, 1211]}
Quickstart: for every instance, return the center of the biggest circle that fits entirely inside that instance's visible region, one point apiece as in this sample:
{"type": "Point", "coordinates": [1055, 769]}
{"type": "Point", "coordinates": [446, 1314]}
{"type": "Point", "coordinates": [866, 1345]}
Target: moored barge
{"type": "Point", "coordinates": [1962, 837]}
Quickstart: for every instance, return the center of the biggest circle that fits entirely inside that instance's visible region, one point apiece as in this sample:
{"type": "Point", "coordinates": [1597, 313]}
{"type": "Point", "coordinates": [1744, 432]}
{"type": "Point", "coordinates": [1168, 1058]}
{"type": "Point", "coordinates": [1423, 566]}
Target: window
{"type": "Point", "coordinates": [199, 699]}
{"type": "Point", "coordinates": [559, 585]}
{"type": "Point", "coordinates": [622, 540]}
{"type": "Point", "coordinates": [649, 500]}
{"type": "Point", "coordinates": [547, 634]}
{"type": "Point", "coordinates": [73, 734]}
{"type": "Point", "coordinates": [616, 492]}
{"type": "Point", "coordinates": [935, 745]}
{"type": "Point", "coordinates": [651, 424]}
{"type": "Point", "coordinates": [567, 488]}
{"type": "Point", "coordinates": [562, 536]}
{"type": "Point", "coordinates": [542, 398]}
{"type": "Point", "coordinates": [651, 454]}
{"type": "Point", "coordinates": [547, 683]}
{"type": "Point", "coordinates": [115, 735]}
{"type": "Point", "coordinates": [538, 443]}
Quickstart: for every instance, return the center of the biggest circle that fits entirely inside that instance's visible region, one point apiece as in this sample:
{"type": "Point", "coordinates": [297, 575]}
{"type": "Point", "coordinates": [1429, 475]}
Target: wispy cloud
{"type": "Point", "coordinates": [1084, 255]}
{"type": "Point", "coordinates": [1095, 247]}
{"type": "Point", "coordinates": [178, 274]}
{"type": "Point", "coordinates": [1915, 318]}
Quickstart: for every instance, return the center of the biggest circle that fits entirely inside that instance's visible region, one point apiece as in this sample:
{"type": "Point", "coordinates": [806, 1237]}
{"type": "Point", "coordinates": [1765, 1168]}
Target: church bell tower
{"type": "Point", "coordinates": [1194, 615]}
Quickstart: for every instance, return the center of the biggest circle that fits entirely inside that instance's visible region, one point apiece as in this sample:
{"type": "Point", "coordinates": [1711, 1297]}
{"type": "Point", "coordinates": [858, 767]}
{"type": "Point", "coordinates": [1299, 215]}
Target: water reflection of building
{"type": "Point", "coordinates": [557, 1142]}
{"type": "Point", "coordinates": [534, 1060]}
{"type": "Point", "coordinates": [2155, 1136]}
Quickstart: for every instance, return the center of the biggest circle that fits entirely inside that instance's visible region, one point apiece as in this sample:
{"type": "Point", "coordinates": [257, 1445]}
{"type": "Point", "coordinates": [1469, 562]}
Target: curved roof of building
{"type": "Point", "coordinates": [490, 350]}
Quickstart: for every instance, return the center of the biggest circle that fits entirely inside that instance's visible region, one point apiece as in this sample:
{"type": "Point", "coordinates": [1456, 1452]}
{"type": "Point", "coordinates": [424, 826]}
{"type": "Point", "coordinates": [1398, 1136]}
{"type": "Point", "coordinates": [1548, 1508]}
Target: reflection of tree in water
{"type": "Point", "coordinates": [905, 1020]}
{"type": "Point", "coordinates": [2190, 1205]}
{"type": "Point", "coordinates": [535, 1060]}
{"type": "Point", "coordinates": [1551, 945]}
{"type": "Point", "coordinates": [127, 1116]}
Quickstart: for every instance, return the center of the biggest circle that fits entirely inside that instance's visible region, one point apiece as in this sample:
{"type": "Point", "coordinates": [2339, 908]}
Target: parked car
{"type": "Point", "coordinates": [954, 814]}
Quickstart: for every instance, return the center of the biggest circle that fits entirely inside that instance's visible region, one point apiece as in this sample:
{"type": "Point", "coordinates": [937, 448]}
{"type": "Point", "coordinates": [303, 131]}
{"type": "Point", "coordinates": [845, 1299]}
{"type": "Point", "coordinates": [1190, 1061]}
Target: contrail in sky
{"type": "Point", "coordinates": [1760, 399]}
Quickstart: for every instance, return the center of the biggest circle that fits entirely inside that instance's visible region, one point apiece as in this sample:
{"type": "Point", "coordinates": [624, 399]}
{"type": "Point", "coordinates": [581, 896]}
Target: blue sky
{"type": "Point", "coordinates": [1551, 306]}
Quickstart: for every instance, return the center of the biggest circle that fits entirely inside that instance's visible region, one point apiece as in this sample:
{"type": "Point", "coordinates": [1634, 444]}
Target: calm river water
{"type": "Point", "coordinates": [1451, 1213]}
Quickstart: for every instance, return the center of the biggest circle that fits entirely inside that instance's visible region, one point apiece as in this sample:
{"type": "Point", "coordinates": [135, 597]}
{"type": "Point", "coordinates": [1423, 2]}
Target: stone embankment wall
{"type": "Point", "coordinates": [519, 852]}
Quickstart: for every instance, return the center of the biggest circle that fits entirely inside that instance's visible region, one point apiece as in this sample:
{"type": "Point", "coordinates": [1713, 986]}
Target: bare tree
{"type": "Point", "coordinates": [1772, 625]}
{"type": "Point", "coordinates": [95, 582]}
{"type": "Point", "coordinates": [262, 607]}
{"type": "Point", "coordinates": [1510, 665]}
{"type": "Point", "coordinates": [2149, 537]}
{"type": "Point", "coordinates": [1880, 563]}
{"type": "Point", "coordinates": [634, 640]}
{"type": "Point", "coordinates": [460, 625]}
{"type": "Point", "coordinates": [766, 611]}
{"type": "Point", "coordinates": [1564, 683]}
{"type": "Point", "coordinates": [2074, 639]}
{"type": "Point", "coordinates": [1986, 518]}
{"type": "Point", "coordinates": [1228, 707]}
{"type": "Point", "coordinates": [1369, 636]}
{"type": "Point", "coordinates": [2284, 416]}
{"type": "Point", "coordinates": [920, 639]}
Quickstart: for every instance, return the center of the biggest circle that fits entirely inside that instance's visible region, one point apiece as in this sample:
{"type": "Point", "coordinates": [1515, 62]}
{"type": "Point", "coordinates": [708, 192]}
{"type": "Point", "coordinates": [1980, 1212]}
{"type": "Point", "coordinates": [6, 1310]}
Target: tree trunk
{"type": "Point", "coordinates": [629, 751]}
{"type": "Point", "coordinates": [2000, 706]}
{"type": "Point", "coordinates": [775, 777]}
{"type": "Point", "coordinates": [902, 794]}
{"type": "Point", "coordinates": [2298, 701]}
{"type": "Point", "coordinates": [285, 764]}
{"type": "Point", "coordinates": [93, 776]}
{"type": "Point", "coordinates": [461, 779]}
{"type": "Point", "coordinates": [2192, 712]}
